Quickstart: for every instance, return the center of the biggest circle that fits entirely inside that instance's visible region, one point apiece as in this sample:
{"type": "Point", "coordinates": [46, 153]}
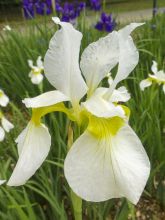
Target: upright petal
{"type": "Point", "coordinates": [40, 63]}
{"type": "Point", "coordinates": [7, 125]}
{"type": "Point", "coordinates": [2, 134]}
{"type": "Point", "coordinates": [61, 62]}
{"type": "Point", "coordinates": [145, 83]}
{"type": "Point", "coordinates": [2, 182]}
{"type": "Point", "coordinates": [99, 58]}
{"type": "Point", "coordinates": [154, 67]}
{"type": "Point", "coordinates": [45, 99]}
{"type": "Point", "coordinates": [30, 63]}
{"type": "Point", "coordinates": [98, 169]}
{"type": "Point", "coordinates": [34, 145]}
{"type": "Point", "coordinates": [128, 54]}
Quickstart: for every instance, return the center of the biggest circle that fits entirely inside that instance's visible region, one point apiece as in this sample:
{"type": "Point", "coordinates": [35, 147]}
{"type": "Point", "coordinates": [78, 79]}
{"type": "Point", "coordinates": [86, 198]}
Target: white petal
{"type": "Point", "coordinates": [7, 125]}
{"type": "Point", "coordinates": [164, 88]}
{"type": "Point", "coordinates": [36, 78]}
{"type": "Point", "coordinates": [2, 182]}
{"type": "Point", "coordinates": [154, 67]}
{"type": "Point", "coordinates": [120, 95]}
{"type": "Point", "coordinates": [61, 62]}
{"type": "Point", "coordinates": [160, 75]}
{"type": "Point", "coordinates": [45, 99]}
{"type": "Point", "coordinates": [30, 63]}
{"type": "Point", "coordinates": [40, 63]}
{"type": "Point", "coordinates": [4, 100]}
{"type": "Point", "coordinates": [145, 83]}
{"type": "Point", "coordinates": [2, 134]}
{"type": "Point", "coordinates": [99, 58]}
{"type": "Point", "coordinates": [34, 150]}
{"type": "Point", "coordinates": [100, 107]}
{"type": "Point", "coordinates": [128, 54]}
{"type": "Point", "coordinates": [100, 169]}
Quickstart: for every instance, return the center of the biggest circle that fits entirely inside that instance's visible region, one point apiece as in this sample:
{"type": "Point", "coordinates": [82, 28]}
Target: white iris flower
{"type": "Point", "coordinates": [6, 126]}
{"type": "Point", "coordinates": [157, 77]}
{"type": "Point", "coordinates": [4, 100]}
{"type": "Point", "coordinates": [7, 28]}
{"type": "Point", "coordinates": [36, 71]}
{"type": "Point", "coordinates": [108, 159]}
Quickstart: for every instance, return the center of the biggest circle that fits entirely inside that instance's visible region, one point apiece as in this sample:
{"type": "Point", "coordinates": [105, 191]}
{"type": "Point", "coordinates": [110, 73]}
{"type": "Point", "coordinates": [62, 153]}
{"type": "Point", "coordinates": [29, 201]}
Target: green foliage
{"type": "Point", "coordinates": [46, 196]}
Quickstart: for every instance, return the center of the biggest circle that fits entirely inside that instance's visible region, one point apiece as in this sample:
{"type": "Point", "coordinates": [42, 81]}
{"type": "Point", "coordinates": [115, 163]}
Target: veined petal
{"type": "Point", "coordinates": [2, 134]}
{"type": "Point", "coordinates": [128, 54]}
{"type": "Point", "coordinates": [61, 62]}
{"type": "Point", "coordinates": [99, 58]}
{"type": "Point", "coordinates": [98, 169]}
{"type": "Point", "coordinates": [100, 107]}
{"type": "Point", "coordinates": [7, 125]}
{"type": "Point", "coordinates": [36, 78]}
{"type": "Point", "coordinates": [145, 83]}
{"type": "Point", "coordinates": [34, 146]}
{"type": "Point", "coordinates": [45, 99]}
{"type": "Point", "coordinates": [154, 67]}
{"type": "Point", "coordinates": [120, 95]}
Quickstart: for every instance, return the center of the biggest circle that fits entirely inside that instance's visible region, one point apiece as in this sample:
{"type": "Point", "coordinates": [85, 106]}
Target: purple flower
{"type": "Point", "coordinates": [95, 5]}
{"type": "Point", "coordinates": [106, 23]}
{"type": "Point", "coordinates": [28, 8]}
{"type": "Point", "coordinates": [69, 11]}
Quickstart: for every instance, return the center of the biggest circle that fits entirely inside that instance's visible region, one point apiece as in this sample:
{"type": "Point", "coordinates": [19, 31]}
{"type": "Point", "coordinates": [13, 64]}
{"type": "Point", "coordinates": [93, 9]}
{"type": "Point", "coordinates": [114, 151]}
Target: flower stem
{"type": "Point", "coordinates": [76, 200]}
{"type": "Point", "coordinates": [77, 206]}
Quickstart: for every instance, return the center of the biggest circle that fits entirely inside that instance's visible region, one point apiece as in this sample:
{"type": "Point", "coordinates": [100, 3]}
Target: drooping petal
{"type": "Point", "coordinates": [112, 167]}
{"type": "Point", "coordinates": [128, 54]}
{"type": "Point", "coordinates": [34, 146]}
{"type": "Point", "coordinates": [100, 107]}
{"type": "Point", "coordinates": [61, 62]}
{"type": "Point", "coordinates": [154, 67]}
{"type": "Point", "coordinates": [2, 134]}
{"type": "Point", "coordinates": [145, 83]}
{"type": "Point", "coordinates": [99, 58]}
{"type": "Point", "coordinates": [4, 100]}
{"type": "Point", "coordinates": [7, 125]}
{"type": "Point", "coordinates": [36, 78]}
{"type": "Point", "coordinates": [45, 99]}
{"type": "Point", "coordinates": [120, 95]}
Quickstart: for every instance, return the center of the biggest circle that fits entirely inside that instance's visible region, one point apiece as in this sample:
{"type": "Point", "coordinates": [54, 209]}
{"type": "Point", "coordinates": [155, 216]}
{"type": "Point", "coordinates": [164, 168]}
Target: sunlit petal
{"type": "Point", "coordinates": [45, 99]}
{"type": "Point", "coordinates": [154, 67]}
{"type": "Point", "coordinates": [4, 100]}
{"type": "Point", "coordinates": [34, 150]}
{"type": "Point", "coordinates": [120, 95]}
{"type": "Point", "coordinates": [61, 62]}
{"type": "Point", "coordinates": [36, 78]}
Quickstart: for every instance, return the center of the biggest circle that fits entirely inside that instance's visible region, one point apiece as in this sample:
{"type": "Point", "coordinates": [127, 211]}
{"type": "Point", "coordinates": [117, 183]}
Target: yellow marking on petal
{"type": "Point", "coordinates": [38, 113]}
{"type": "Point", "coordinates": [1, 94]}
{"type": "Point", "coordinates": [36, 72]}
{"type": "Point", "coordinates": [103, 128]}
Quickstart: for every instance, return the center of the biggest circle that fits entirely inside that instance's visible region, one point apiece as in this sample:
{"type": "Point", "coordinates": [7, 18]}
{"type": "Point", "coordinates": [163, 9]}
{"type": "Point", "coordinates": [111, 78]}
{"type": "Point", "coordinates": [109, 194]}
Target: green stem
{"type": "Point", "coordinates": [76, 200]}
{"type": "Point", "coordinates": [77, 206]}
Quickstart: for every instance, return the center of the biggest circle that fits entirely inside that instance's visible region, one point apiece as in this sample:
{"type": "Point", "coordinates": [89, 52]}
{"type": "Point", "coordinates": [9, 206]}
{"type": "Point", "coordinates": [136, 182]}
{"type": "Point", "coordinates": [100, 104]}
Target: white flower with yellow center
{"type": "Point", "coordinates": [6, 126]}
{"type": "Point", "coordinates": [4, 100]}
{"type": "Point", "coordinates": [158, 77]}
{"type": "Point", "coordinates": [107, 160]}
{"type": "Point", "coordinates": [36, 71]}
